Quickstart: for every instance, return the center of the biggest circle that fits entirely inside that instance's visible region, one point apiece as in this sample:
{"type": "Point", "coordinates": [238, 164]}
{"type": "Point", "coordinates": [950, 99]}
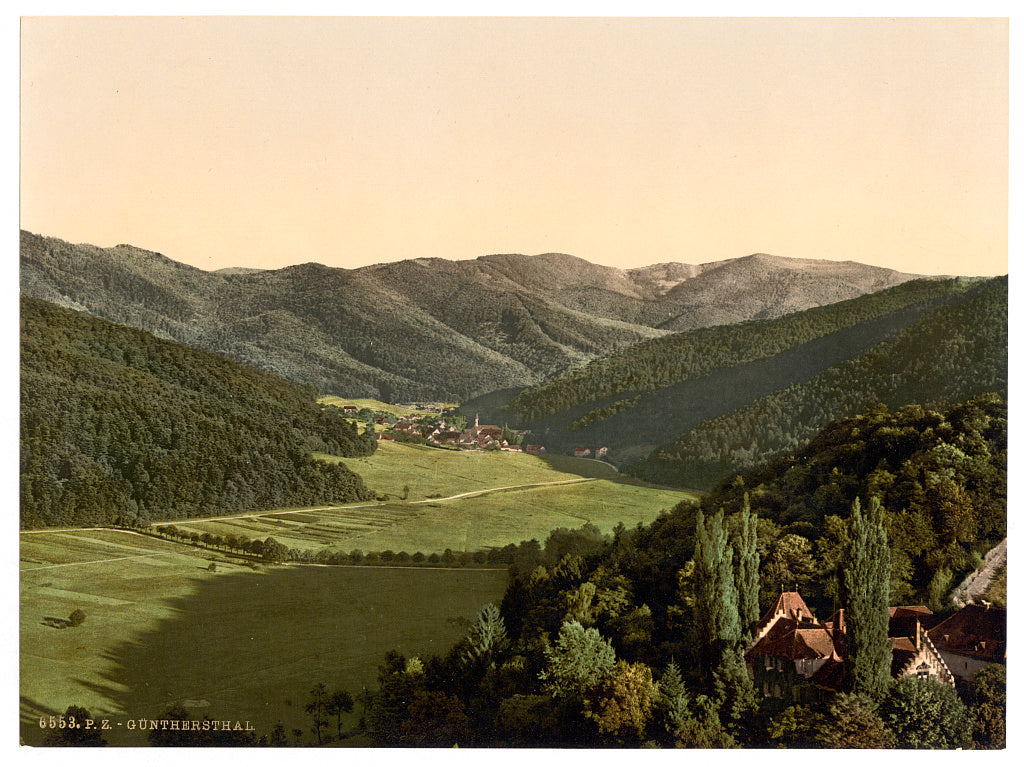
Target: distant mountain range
{"type": "Point", "coordinates": [429, 328]}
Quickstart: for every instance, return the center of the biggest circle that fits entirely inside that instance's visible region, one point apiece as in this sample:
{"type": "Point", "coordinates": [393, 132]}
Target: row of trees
{"type": "Point", "coordinates": [271, 550]}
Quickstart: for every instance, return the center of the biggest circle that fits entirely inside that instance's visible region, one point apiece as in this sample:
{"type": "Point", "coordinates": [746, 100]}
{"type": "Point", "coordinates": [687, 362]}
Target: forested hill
{"type": "Point", "coordinates": [428, 328]}
{"type": "Point", "coordinates": [120, 426]}
{"type": "Point", "coordinates": [661, 362]}
{"type": "Point", "coordinates": [609, 615]}
{"type": "Point", "coordinates": [699, 381]}
{"type": "Point", "coordinates": [951, 353]}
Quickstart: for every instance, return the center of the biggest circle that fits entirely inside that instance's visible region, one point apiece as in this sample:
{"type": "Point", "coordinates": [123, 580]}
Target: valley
{"type": "Point", "coordinates": [162, 628]}
{"type": "Point", "coordinates": [465, 501]}
{"type": "Point", "coordinates": [241, 643]}
{"type": "Point", "coordinates": [216, 533]}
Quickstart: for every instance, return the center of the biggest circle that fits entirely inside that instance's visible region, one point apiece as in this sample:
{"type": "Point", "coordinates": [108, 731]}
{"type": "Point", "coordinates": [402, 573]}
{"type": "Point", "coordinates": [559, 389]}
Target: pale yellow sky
{"type": "Point", "coordinates": [270, 141]}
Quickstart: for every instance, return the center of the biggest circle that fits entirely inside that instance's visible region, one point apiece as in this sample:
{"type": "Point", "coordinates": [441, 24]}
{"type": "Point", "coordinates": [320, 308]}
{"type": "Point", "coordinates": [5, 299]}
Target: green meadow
{"type": "Point", "coordinates": [374, 405]}
{"type": "Point", "coordinates": [460, 500]}
{"type": "Point", "coordinates": [238, 643]}
{"type": "Point", "coordinates": [246, 641]}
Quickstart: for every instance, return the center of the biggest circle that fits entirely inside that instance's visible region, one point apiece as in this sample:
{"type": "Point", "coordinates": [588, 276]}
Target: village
{"type": "Point", "coordinates": [438, 425]}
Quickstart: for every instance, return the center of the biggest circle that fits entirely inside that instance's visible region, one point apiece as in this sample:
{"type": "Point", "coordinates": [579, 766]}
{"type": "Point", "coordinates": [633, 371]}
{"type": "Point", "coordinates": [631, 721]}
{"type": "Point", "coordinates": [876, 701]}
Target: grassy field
{"type": "Point", "coordinates": [248, 642]}
{"type": "Point", "coordinates": [236, 644]}
{"type": "Point", "coordinates": [459, 500]}
{"type": "Point", "coordinates": [374, 405]}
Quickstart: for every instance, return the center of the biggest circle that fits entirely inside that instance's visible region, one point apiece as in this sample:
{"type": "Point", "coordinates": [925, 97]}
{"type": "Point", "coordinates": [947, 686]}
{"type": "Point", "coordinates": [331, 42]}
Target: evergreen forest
{"type": "Point", "coordinates": [121, 427]}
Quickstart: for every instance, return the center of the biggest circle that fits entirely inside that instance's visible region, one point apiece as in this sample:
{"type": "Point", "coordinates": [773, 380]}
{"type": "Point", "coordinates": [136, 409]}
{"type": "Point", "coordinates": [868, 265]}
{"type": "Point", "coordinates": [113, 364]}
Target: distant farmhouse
{"type": "Point", "coordinates": [584, 452]}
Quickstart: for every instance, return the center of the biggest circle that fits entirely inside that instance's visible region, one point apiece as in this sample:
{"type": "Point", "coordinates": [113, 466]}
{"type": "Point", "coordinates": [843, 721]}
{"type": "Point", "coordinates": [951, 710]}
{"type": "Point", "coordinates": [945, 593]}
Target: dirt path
{"type": "Point", "coordinates": [977, 583]}
{"type": "Point", "coordinates": [500, 489]}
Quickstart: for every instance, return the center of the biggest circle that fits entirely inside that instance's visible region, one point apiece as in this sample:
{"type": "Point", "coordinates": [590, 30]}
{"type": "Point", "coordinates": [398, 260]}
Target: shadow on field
{"type": "Point", "coordinates": [56, 623]}
{"type": "Point", "coordinates": [248, 647]}
{"type": "Point", "coordinates": [31, 714]}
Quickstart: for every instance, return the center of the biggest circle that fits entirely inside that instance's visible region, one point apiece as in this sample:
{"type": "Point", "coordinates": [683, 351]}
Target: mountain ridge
{"type": "Point", "coordinates": [427, 328]}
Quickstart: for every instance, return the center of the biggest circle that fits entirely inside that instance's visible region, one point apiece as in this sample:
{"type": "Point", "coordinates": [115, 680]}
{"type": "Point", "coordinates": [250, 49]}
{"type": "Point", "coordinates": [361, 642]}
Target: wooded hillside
{"type": "Point", "coordinates": [949, 354]}
{"type": "Point", "coordinates": [120, 426]}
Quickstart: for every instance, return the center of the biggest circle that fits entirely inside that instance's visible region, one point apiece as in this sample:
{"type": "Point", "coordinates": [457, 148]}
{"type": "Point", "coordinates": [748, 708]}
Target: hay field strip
{"type": "Point", "coordinates": [464, 501]}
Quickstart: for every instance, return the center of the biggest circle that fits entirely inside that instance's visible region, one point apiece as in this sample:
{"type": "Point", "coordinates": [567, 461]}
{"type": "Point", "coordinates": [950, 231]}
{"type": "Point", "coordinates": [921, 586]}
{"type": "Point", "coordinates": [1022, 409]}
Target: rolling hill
{"type": "Point", "coordinates": [428, 328]}
{"type": "Point", "coordinates": [710, 402]}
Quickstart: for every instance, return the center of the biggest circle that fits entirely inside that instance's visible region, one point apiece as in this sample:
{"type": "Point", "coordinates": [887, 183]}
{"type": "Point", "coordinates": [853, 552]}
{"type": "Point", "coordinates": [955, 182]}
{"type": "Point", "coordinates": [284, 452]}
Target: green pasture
{"type": "Point", "coordinates": [459, 500]}
{"type": "Point", "coordinates": [238, 643]}
{"type": "Point", "coordinates": [373, 404]}
{"type": "Point", "coordinates": [432, 472]}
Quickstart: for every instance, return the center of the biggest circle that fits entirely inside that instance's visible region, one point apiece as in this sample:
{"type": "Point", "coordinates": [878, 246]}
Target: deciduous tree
{"type": "Point", "coordinates": [922, 713]}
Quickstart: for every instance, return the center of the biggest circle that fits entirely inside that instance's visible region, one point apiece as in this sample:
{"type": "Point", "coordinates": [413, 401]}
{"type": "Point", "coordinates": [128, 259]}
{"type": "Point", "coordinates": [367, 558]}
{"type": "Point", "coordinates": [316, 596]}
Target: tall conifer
{"type": "Point", "coordinates": [866, 592]}
{"type": "Point", "coordinates": [748, 562]}
{"type": "Point", "coordinates": [717, 600]}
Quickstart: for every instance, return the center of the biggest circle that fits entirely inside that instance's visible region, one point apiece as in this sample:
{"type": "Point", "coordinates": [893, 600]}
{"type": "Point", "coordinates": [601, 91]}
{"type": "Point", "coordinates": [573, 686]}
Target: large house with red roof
{"type": "Point", "coordinates": [971, 639]}
{"type": "Point", "coordinates": [796, 658]}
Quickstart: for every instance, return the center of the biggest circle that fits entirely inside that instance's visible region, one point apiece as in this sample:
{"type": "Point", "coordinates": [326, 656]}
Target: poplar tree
{"type": "Point", "coordinates": [866, 592]}
{"type": "Point", "coordinates": [748, 563]}
{"type": "Point", "coordinates": [717, 601]}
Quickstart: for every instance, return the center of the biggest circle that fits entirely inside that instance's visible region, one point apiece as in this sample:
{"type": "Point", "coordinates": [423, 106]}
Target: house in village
{"type": "Point", "coordinates": [602, 452]}
{"type": "Point", "coordinates": [971, 639]}
{"type": "Point", "coordinates": [481, 436]}
{"type": "Point", "coordinates": [795, 658]}
{"type": "Point", "coordinates": [444, 436]}
{"type": "Point", "coordinates": [535, 449]}
{"type": "Point", "coordinates": [581, 452]}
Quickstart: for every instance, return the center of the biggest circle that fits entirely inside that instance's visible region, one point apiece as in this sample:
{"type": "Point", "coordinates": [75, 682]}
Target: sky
{"type": "Point", "coordinates": [269, 141]}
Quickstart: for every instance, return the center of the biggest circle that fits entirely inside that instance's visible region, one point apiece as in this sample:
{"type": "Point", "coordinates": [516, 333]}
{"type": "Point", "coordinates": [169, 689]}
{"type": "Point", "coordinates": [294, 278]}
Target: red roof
{"type": "Point", "coordinates": [788, 605]}
{"type": "Point", "coordinates": [976, 631]}
{"type": "Point", "coordinates": [795, 640]}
